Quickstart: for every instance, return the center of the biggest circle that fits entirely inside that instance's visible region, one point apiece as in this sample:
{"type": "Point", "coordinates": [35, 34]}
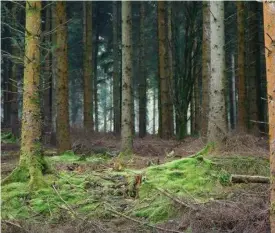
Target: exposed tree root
{"type": "Point", "coordinates": [32, 170]}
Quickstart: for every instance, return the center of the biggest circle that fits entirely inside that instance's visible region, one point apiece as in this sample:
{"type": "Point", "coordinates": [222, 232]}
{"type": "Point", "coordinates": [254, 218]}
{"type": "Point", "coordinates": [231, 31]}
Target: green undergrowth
{"type": "Point", "coordinates": [70, 193]}
{"type": "Point", "coordinates": [70, 157]}
{"type": "Point", "coordinates": [197, 179]}
{"type": "Point", "coordinates": [8, 137]}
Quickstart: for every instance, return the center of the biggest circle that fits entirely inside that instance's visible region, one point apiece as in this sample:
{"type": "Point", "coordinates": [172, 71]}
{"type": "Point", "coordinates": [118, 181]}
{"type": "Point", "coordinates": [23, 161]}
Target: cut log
{"type": "Point", "coordinates": [249, 179]}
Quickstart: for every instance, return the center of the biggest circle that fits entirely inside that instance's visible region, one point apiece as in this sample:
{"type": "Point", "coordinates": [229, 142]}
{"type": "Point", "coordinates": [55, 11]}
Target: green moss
{"type": "Point", "coordinates": [70, 157]}
{"type": "Point", "coordinates": [192, 178]}
{"type": "Point", "coordinates": [196, 176]}
{"type": "Point", "coordinates": [8, 137]}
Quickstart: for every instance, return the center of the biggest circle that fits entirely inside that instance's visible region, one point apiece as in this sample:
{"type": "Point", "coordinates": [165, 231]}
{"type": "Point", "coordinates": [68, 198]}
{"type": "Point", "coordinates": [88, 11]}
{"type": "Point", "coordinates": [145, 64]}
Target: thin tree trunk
{"type": "Point", "coordinates": [269, 35]}
{"type": "Point", "coordinates": [47, 78]}
{"type": "Point", "coordinates": [87, 66]}
{"type": "Point", "coordinates": [116, 76]}
{"type": "Point", "coordinates": [14, 82]}
{"type": "Point", "coordinates": [154, 111]}
{"type": "Point", "coordinates": [126, 118]}
{"type": "Point", "coordinates": [170, 65]}
{"type": "Point", "coordinates": [62, 82]}
{"type": "Point", "coordinates": [95, 77]}
{"type": "Point", "coordinates": [217, 128]}
{"type": "Point", "coordinates": [205, 68]}
{"type": "Point", "coordinates": [142, 79]}
{"type": "Point", "coordinates": [233, 93]}
{"type": "Point", "coordinates": [54, 75]}
{"type": "Point", "coordinates": [242, 113]}
{"type": "Point", "coordinates": [165, 123]}
{"type": "Point", "coordinates": [251, 70]}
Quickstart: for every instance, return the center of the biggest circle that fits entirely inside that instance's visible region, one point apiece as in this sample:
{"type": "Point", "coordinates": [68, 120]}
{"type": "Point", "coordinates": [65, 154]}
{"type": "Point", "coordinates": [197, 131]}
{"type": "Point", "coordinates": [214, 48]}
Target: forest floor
{"type": "Point", "coordinates": [161, 188]}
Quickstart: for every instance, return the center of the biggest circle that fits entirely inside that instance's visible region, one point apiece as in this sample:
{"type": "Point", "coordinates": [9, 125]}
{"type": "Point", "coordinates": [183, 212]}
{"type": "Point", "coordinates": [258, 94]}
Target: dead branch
{"type": "Point", "coordinates": [249, 179]}
{"type": "Point", "coordinates": [111, 209]}
{"type": "Point", "coordinates": [175, 199]}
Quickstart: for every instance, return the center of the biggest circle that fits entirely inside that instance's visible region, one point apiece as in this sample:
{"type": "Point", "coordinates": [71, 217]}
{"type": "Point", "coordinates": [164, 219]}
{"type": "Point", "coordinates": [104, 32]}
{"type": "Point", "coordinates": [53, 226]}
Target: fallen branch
{"type": "Point", "coordinates": [66, 204]}
{"type": "Point", "coordinates": [175, 199]}
{"type": "Point", "coordinates": [111, 209]}
{"type": "Point", "coordinates": [249, 179]}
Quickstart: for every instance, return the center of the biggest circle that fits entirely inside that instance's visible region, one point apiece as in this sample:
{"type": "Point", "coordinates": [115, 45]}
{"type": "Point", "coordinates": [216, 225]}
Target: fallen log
{"type": "Point", "coordinates": [249, 179]}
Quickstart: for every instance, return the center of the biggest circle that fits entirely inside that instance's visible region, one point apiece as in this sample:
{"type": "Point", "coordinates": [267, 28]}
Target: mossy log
{"type": "Point", "coordinates": [249, 179]}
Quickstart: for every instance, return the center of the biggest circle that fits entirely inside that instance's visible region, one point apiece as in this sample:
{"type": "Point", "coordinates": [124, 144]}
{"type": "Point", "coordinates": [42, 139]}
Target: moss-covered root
{"type": "Point", "coordinates": [32, 171]}
{"type": "Point", "coordinates": [205, 151]}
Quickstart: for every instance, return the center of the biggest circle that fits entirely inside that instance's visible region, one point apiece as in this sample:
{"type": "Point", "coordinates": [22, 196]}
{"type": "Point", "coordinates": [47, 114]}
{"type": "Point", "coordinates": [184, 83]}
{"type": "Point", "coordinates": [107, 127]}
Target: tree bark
{"type": "Point", "coordinates": [242, 110]}
{"type": "Point", "coordinates": [165, 121]}
{"type": "Point", "coordinates": [88, 66]}
{"type": "Point", "coordinates": [269, 36]}
{"type": "Point", "coordinates": [205, 68]}
{"type": "Point", "coordinates": [252, 68]}
{"type": "Point", "coordinates": [31, 164]}
{"type": "Point", "coordinates": [116, 76]}
{"type": "Point", "coordinates": [47, 118]}
{"type": "Point", "coordinates": [249, 179]}
{"type": "Point", "coordinates": [126, 118]}
{"type": "Point", "coordinates": [217, 127]}
{"type": "Point", "coordinates": [62, 90]}
{"type": "Point", "coordinates": [170, 69]}
{"type": "Point", "coordinates": [95, 77]}
{"type": "Point", "coordinates": [54, 75]}
{"type": "Point", "coordinates": [14, 80]}
{"type": "Point", "coordinates": [142, 79]}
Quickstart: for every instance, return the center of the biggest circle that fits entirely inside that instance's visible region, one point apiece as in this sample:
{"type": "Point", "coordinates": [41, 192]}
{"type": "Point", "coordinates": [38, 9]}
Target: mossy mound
{"type": "Point", "coordinates": [87, 193]}
{"type": "Point", "coordinates": [196, 176]}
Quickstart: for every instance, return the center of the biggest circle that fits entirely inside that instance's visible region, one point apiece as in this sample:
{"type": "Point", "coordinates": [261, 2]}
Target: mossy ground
{"type": "Point", "coordinates": [89, 192]}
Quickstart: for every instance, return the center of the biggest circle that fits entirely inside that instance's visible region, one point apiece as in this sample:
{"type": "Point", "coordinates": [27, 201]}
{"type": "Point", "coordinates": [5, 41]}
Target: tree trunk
{"type": "Point", "coordinates": [242, 110]}
{"type": "Point", "coordinates": [233, 94]}
{"type": "Point", "coordinates": [116, 76]}
{"type": "Point", "coordinates": [252, 66]}
{"type": "Point", "coordinates": [87, 66]}
{"type": "Point", "coordinates": [47, 118]}
{"type": "Point", "coordinates": [269, 35]}
{"type": "Point", "coordinates": [126, 118]}
{"type": "Point", "coordinates": [62, 90]}
{"type": "Point", "coordinates": [14, 82]}
{"type": "Point", "coordinates": [54, 75]}
{"type": "Point", "coordinates": [154, 111]}
{"type": "Point", "coordinates": [31, 164]}
{"type": "Point", "coordinates": [217, 128]}
{"type": "Point", "coordinates": [170, 65]}
{"type": "Point", "coordinates": [142, 79]}
{"type": "Point", "coordinates": [165, 121]}
{"type": "Point", "coordinates": [205, 68]}
{"type": "Point", "coordinates": [95, 77]}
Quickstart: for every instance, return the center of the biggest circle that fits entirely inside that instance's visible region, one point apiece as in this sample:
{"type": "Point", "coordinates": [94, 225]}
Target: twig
{"type": "Point", "coordinates": [111, 209]}
{"type": "Point", "coordinates": [15, 224]}
{"type": "Point", "coordinates": [176, 199]}
{"type": "Point", "coordinates": [71, 210]}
